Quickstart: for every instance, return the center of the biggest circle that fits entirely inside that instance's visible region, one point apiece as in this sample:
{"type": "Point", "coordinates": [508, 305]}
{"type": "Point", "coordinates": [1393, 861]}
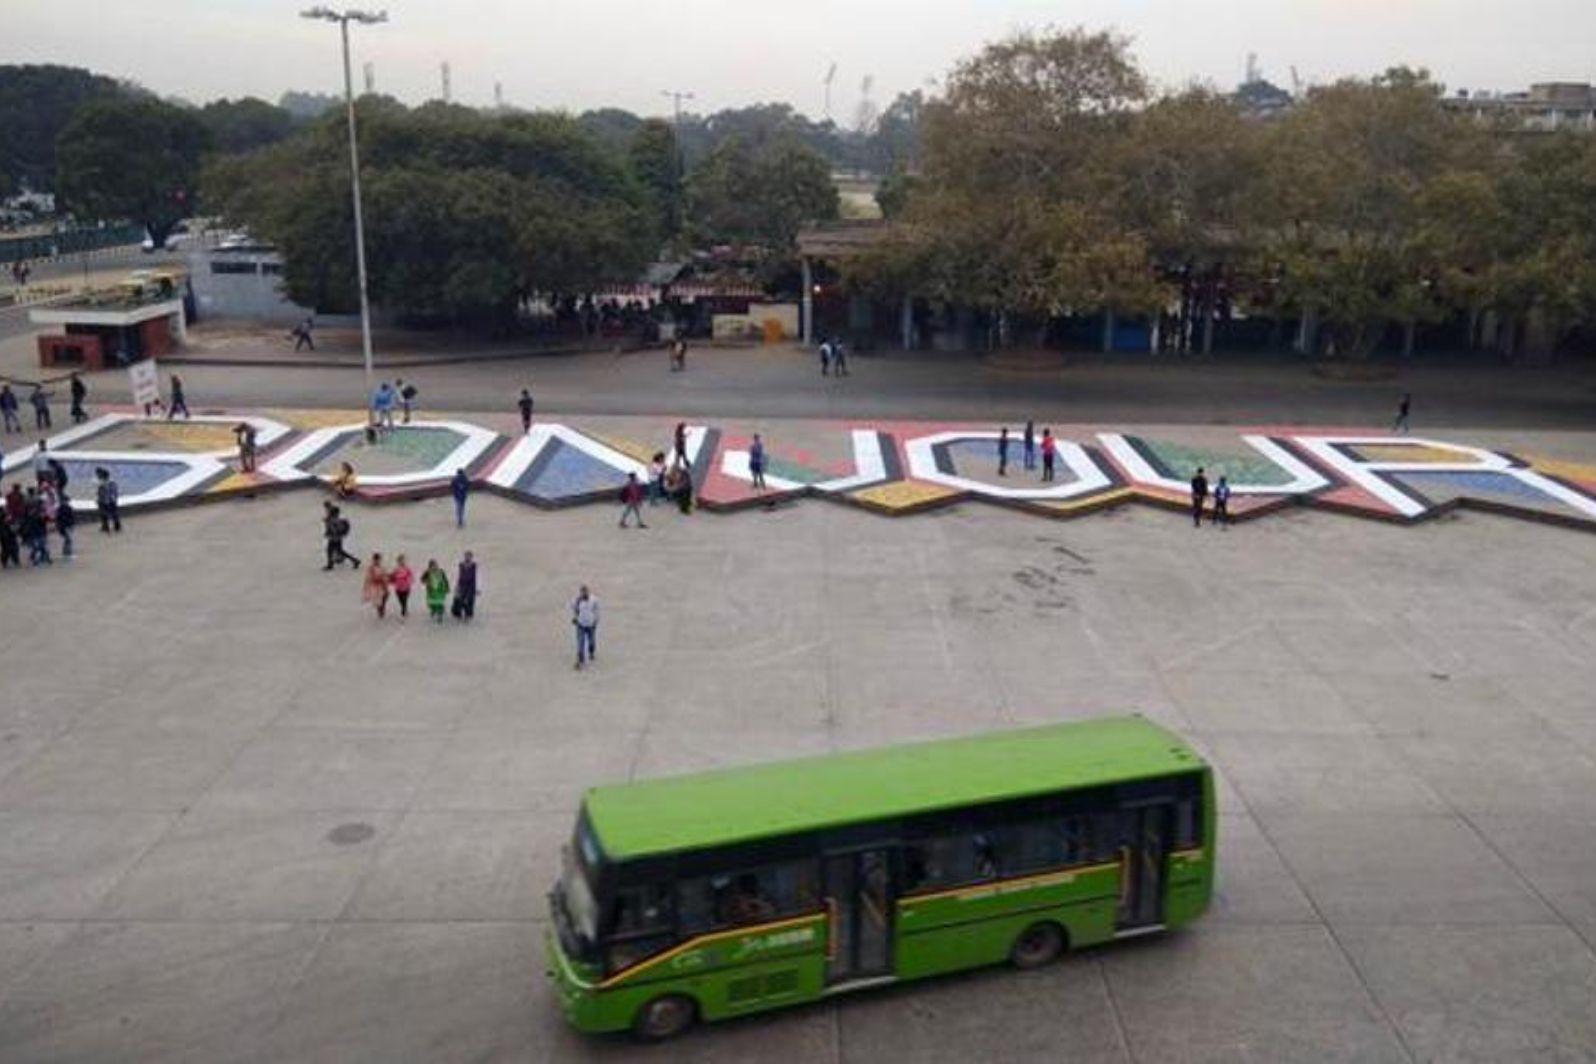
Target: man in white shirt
{"type": "Point", "coordinates": [585, 616]}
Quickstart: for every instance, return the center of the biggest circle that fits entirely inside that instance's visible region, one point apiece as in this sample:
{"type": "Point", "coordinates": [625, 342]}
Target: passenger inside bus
{"type": "Point", "coordinates": [742, 901]}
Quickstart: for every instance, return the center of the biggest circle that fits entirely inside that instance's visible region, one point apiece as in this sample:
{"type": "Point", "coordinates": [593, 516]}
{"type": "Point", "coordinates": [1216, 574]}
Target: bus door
{"type": "Point", "coordinates": [1143, 852]}
{"type": "Point", "coordinates": [859, 906]}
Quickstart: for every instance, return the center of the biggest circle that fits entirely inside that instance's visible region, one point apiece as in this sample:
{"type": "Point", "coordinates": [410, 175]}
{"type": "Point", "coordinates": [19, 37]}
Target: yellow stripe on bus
{"type": "Point", "coordinates": [704, 940]}
{"type": "Point", "coordinates": [1038, 880]}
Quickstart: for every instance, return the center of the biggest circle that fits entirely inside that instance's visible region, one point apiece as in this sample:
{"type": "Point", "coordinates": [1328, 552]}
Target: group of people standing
{"type": "Point", "coordinates": [1030, 447]}
{"type": "Point", "coordinates": [39, 399]}
{"type": "Point", "coordinates": [670, 481]}
{"type": "Point", "coordinates": [383, 581]}
{"type": "Point", "coordinates": [32, 513]}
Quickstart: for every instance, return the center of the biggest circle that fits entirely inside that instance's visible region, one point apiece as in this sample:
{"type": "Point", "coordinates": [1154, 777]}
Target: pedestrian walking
{"type": "Point", "coordinates": [335, 528]}
{"type": "Point", "coordinates": [79, 392]}
{"type": "Point", "coordinates": [10, 545]}
{"type": "Point", "coordinates": [656, 478]}
{"type": "Point", "coordinates": [374, 591]}
{"type": "Point", "coordinates": [839, 359]}
{"type": "Point", "coordinates": [108, 500]}
{"type": "Point", "coordinates": [1222, 503]}
{"type": "Point", "coordinates": [460, 488]}
{"type": "Point", "coordinates": [66, 521]}
{"type": "Point", "coordinates": [678, 354]}
{"type": "Point", "coordinates": [825, 357]}
{"type": "Point", "coordinates": [680, 457]}
{"type": "Point", "coordinates": [8, 408]}
{"type": "Point", "coordinates": [246, 436]}
{"type": "Point", "coordinates": [436, 584]}
{"type": "Point", "coordinates": [1028, 446]}
{"type": "Point", "coordinates": [15, 504]}
{"type": "Point", "coordinates": [401, 579]}
{"type": "Point", "coordinates": [41, 406]}
{"type": "Point", "coordinates": [1003, 452]}
{"type": "Point", "coordinates": [302, 334]}
{"type": "Point", "coordinates": [1199, 494]}
{"type": "Point", "coordinates": [58, 475]}
{"type": "Point", "coordinates": [179, 400]}
{"type": "Point", "coordinates": [1049, 454]}
{"type": "Point", "coordinates": [525, 403]}
{"type": "Point", "coordinates": [1403, 409]}
{"type": "Point", "coordinates": [756, 462]}
{"type": "Point", "coordinates": [465, 589]}
{"type": "Point", "coordinates": [585, 618]}
{"type": "Point", "coordinates": [407, 398]}
{"type": "Point", "coordinates": [631, 500]}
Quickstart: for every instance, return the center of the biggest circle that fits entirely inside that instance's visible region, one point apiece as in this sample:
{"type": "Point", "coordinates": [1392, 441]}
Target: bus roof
{"type": "Point", "coordinates": [734, 805]}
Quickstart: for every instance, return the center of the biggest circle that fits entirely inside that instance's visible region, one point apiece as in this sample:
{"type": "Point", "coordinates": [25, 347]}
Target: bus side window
{"type": "Point", "coordinates": [695, 906]}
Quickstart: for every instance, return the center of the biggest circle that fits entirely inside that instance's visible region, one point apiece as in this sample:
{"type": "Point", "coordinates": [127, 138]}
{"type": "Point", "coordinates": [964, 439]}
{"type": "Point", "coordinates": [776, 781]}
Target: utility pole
{"type": "Point", "coordinates": [344, 18]}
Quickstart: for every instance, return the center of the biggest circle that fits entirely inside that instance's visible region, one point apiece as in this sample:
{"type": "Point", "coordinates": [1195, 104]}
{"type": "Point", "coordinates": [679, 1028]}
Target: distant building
{"type": "Point", "coordinates": [1261, 100]}
{"type": "Point", "coordinates": [1547, 107]}
{"type": "Point", "coordinates": [242, 280]}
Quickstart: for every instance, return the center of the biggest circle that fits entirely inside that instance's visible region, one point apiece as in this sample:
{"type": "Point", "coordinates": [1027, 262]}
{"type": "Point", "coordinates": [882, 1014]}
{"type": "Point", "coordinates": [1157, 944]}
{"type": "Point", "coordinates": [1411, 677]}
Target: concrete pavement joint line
{"type": "Point", "coordinates": [1120, 1030]}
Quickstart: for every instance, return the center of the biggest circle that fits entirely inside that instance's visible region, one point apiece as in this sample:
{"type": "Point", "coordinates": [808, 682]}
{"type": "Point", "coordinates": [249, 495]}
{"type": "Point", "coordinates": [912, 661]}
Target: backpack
{"type": "Point", "coordinates": [341, 527]}
{"type": "Point", "coordinates": [409, 392]}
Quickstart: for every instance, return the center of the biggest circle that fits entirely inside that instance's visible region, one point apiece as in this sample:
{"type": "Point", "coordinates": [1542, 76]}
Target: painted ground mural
{"type": "Point", "coordinates": [891, 468]}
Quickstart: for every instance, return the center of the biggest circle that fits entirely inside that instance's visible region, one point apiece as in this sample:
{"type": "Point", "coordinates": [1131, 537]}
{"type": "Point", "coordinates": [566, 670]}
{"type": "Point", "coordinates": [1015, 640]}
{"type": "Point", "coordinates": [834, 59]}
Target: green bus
{"type": "Point", "coordinates": [730, 892]}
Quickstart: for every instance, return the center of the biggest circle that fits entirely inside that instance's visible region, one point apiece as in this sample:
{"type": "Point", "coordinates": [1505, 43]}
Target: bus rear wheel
{"type": "Point", "coordinates": [1038, 945]}
{"type": "Point", "coordinates": [664, 1017]}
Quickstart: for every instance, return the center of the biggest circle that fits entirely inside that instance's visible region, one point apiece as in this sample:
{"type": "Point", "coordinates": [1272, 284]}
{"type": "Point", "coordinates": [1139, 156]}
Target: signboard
{"type": "Point", "coordinates": [146, 383]}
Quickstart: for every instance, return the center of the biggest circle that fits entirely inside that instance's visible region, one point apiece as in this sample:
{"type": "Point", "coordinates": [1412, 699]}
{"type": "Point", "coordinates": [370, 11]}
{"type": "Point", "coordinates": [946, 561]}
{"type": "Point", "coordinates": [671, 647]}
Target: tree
{"type": "Point", "coordinates": [1017, 210]}
{"type": "Point", "coordinates": [36, 102]}
{"type": "Point", "coordinates": [131, 158]}
{"type": "Point", "coordinates": [467, 214]}
{"type": "Point", "coordinates": [245, 124]}
{"type": "Point", "coordinates": [657, 163]}
{"type": "Point", "coordinates": [1186, 176]}
{"type": "Point", "coordinates": [1343, 211]}
{"type": "Point", "coordinates": [740, 194]}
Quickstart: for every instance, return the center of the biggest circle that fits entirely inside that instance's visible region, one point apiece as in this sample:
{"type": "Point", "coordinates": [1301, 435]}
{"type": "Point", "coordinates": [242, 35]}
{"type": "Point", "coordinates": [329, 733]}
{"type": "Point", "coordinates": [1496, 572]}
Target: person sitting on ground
{"type": "Point", "coordinates": [343, 481]}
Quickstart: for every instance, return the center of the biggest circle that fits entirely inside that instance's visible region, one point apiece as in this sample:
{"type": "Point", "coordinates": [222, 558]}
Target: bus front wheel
{"type": "Point", "coordinates": [1038, 945]}
{"type": "Point", "coordinates": [664, 1017]}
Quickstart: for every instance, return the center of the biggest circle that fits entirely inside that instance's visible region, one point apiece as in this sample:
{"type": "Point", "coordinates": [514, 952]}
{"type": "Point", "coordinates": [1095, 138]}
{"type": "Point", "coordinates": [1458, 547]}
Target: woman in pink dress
{"type": "Point", "coordinates": [401, 579]}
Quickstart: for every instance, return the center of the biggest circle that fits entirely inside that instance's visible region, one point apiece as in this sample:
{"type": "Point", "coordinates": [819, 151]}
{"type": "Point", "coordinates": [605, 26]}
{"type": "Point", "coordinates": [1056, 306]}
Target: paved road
{"type": "Point", "coordinates": [250, 822]}
{"type": "Point", "coordinates": [785, 383]}
{"type": "Point", "coordinates": [70, 269]}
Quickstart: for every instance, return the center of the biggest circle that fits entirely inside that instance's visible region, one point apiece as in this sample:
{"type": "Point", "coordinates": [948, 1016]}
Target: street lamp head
{"type": "Point", "coordinates": [321, 11]}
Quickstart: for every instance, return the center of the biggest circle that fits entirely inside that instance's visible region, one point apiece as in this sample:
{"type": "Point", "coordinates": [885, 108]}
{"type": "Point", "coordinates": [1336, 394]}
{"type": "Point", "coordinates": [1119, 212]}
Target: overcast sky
{"type": "Point", "coordinates": [579, 54]}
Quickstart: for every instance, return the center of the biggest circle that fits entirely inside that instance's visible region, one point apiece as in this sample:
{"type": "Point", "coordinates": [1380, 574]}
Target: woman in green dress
{"type": "Point", "coordinates": [436, 582]}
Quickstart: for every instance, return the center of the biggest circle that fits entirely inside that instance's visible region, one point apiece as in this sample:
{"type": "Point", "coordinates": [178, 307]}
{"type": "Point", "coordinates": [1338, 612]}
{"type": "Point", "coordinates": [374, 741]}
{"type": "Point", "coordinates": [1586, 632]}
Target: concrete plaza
{"type": "Point", "coordinates": [242, 820]}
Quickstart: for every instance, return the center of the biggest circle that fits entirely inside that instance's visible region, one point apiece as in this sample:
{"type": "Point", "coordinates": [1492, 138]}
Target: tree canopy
{"type": "Point", "coordinates": [747, 194]}
{"type": "Point", "coordinates": [36, 102]}
{"type": "Point", "coordinates": [131, 157]}
{"type": "Point", "coordinates": [467, 214]}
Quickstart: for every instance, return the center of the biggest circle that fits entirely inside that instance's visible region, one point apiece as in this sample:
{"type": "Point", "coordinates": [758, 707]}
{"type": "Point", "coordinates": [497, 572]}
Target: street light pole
{"type": "Point", "coordinates": [343, 18]}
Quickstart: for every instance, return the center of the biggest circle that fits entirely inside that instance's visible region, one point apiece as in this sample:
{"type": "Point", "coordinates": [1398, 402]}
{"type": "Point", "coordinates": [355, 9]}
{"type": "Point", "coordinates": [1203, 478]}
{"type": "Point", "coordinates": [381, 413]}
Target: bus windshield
{"type": "Point", "coordinates": [576, 895]}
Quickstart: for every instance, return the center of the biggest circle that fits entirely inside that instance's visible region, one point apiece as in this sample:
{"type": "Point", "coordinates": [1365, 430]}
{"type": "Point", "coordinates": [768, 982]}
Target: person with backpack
{"type": "Point", "coordinates": [108, 500]}
{"type": "Point", "coordinates": [335, 527]}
